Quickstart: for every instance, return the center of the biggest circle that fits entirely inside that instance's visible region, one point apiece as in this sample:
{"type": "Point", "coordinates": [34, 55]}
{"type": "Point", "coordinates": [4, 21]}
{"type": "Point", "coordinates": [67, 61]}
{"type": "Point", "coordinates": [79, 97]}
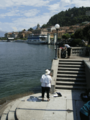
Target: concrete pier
{"type": "Point", "coordinates": [66, 107]}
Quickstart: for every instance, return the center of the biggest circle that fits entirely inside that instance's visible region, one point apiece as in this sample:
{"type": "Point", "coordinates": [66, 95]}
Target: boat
{"type": "Point", "coordinates": [37, 39]}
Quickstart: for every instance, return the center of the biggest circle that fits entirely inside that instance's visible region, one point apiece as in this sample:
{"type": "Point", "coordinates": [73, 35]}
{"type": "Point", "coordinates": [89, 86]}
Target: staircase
{"type": "Point", "coordinates": [71, 75]}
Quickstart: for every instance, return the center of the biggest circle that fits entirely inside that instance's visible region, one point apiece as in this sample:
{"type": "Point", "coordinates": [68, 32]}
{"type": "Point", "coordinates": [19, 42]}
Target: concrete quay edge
{"type": "Point", "coordinates": [65, 108]}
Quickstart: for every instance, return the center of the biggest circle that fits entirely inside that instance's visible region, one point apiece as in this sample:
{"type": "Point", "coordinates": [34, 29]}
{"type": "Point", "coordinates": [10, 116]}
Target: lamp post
{"type": "Point", "coordinates": [57, 26]}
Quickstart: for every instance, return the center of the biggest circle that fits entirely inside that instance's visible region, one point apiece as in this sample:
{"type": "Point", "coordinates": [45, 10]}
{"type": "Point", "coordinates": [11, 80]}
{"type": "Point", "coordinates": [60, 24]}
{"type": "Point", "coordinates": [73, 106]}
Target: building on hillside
{"type": "Point", "coordinates": [38, 27]}
{"type": "Point", "coordinates": [8, 35]}
{"type": "Point", "coordinates": [51, 28]}
{"type": "Point", "coordinates": [24, 34]}
{"type": "Point", "coordinates": [15, 34]}
{"type": "Point", "coordinates": [60, 33]}
{"type": "Point", "coordinates": [65, 28]}
{"type": "Point", "coordinates": [43, 31]}
{"type": "Point", "coordinates": [86, 22]}
{"type": "Point", "coordinates": [27, 33]}
{"type": "Point", "coordinates": [70, 31]}
{"type": "Point", "coordinates": [74, 27]}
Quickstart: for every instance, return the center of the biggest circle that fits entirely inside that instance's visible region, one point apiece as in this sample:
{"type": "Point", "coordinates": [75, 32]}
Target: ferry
{"type": "Point", "coordinates": [37, 39]}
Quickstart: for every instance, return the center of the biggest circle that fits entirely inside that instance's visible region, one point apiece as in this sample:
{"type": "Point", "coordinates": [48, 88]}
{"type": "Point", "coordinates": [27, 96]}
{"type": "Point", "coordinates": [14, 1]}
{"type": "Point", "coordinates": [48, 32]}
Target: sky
{"type": "Point", "coordinates": [16, 15]}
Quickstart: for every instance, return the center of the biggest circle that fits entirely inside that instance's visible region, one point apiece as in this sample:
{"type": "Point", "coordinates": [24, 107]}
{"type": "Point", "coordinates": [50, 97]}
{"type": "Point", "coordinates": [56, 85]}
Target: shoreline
{"type": "Point", "coordinates": [19, 95]}
{"type": "Point", "coordinates": [13, 97]}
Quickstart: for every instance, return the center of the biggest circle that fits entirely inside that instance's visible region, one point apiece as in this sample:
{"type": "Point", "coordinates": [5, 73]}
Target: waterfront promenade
{"type": "Point", "coordinates": [66, 107]}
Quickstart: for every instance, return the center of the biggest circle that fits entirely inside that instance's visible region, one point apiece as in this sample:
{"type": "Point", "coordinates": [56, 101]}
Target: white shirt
{"type": "Point", "coordinates": [46, 80]}
{"type": "Point", "coordinates": [67, 46]}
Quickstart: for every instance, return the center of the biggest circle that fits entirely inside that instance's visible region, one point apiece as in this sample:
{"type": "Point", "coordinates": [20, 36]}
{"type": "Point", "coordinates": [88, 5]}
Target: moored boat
{"type": "Point", "coordinates": [37, 39]}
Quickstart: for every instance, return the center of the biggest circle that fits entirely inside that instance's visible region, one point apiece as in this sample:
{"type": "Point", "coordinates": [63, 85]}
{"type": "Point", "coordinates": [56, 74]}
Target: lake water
{"type": "Point", "coordinates": [21, 66]}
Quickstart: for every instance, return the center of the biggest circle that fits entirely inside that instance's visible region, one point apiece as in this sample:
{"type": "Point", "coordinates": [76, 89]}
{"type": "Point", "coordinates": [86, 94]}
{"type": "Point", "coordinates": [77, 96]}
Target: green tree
{"type": "Point", "coordinates": [72, 35]}
{"type": "Point", "coordinates": [24, 30]}
{"type": "Point", "coordinates": [79, 34]}
{"type": "Point", "coordinates": [30, 29]}
{"type": "Point", "coordinates": [86, 33]}
{"type": "Point", "coordinates": [66, 36]}
{"type": "Point", "coordinates": [76, 42]}
{"type": "Point", "coordinates": [69, 17]}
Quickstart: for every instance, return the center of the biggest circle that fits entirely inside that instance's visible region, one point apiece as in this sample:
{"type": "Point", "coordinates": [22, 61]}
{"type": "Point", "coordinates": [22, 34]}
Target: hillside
{"type": "Point", "coordinates": [69, 17]}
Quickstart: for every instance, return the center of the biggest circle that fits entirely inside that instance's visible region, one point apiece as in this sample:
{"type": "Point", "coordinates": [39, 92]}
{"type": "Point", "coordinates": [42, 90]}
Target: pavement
{"type": "Point", "coordinates": [32, 107]}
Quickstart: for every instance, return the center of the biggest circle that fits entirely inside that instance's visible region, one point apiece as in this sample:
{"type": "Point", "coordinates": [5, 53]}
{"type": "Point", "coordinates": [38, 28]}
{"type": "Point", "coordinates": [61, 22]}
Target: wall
{"type": "Point", "coordinates": [78, 51]}
{"type": "Point", "coordinates": [54, 68]}
{"type": "Point", "coordinates": [75, 51]}
{"type": "Point", "coordinates": [87, 71]}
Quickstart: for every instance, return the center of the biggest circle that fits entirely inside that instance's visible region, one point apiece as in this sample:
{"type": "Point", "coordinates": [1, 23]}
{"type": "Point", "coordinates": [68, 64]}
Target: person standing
{"type": "Point", "coordinates": [68, 49]}
{"type": "Point", "coordinates": [46, 83]}
{"type": "Point", "coordinates": [85, 111]}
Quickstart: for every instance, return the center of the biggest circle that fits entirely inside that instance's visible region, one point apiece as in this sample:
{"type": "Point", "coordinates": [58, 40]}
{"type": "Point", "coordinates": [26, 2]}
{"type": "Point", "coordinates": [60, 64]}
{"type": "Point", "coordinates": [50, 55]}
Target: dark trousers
{"type": "Point", "coordinates": [83, 117]}
{"type": "Point", "coordinates": [69, 51]}
{"type": "Point", "coordinates": [47, 90]}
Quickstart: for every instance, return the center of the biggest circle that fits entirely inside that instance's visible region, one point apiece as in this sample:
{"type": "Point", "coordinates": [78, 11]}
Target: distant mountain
{"type": "Point", "coordinates": [72, 16]}
{"type": "Point", "coordinates": [2, 33]}
{"type": "Point", "coordinates": [34, 27]}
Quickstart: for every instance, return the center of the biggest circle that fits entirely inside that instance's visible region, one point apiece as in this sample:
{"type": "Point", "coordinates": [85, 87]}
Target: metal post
{"type": "Point", "coordinates": [89, 54]}
{"type": "Point", "coordinates": [56, 46]}
{"type": "Point", "coordinates": [57, 26]}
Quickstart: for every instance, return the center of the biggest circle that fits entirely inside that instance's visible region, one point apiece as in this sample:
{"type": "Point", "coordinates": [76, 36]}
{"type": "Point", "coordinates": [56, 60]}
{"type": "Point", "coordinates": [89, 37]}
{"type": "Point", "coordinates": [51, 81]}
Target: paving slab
{"type": "Point", "coordinates": [57, 110]}
{"type": "Point", "coordinates": [66, 107]}
{"type": "Point", "coordinates": [5, 113]}
{"type": "Point", "coordinates": [31, 110]}
{"type": "Point", "coordinates": [11, 114]}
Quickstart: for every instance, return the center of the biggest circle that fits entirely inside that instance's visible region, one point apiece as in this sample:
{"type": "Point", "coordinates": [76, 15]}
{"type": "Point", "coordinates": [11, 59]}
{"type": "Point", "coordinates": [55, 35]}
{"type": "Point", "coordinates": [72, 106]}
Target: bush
{"type": "Point", "coordinates": [76, 42]}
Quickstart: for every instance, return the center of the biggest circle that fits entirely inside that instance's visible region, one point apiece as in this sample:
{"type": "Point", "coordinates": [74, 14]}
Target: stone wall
{"type": "Point", "coordinates": [54, 68]}
{"type": "Point", "coordinates": [87, 71]}
{"type": "Point", "coordinates": [75, 51]}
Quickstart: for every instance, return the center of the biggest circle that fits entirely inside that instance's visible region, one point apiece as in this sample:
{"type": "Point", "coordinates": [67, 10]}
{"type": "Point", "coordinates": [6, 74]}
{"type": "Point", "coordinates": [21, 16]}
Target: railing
{"type": "Point", "coordinates": [76, 51]}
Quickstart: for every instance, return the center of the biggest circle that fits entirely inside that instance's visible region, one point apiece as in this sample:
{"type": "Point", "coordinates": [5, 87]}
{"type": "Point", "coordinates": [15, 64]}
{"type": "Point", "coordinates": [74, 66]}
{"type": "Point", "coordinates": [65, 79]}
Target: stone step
{"type": "Point", "coordinates": [6, 111]}
{"type": "Point", "coordinates": [69, 75]}
{"type": "Point", "coordinates": [74, 63]}
{"type": "Point", "coordinates": [70, 83]}
{"type": "Point", "coordinates": [70, 79]}
{"type": "Point", "coordinates": [11, 114]}
{"type": "Point", "coordinates": [71, 66]}
{"type": "Point", "coordinates": [70, 72]}
{"type": "Point", "coordinates": [70, 87]}
{"type": "Point", "coordinates": [71, 69]}
{"type": "Point", "coordinates": [70, 60]}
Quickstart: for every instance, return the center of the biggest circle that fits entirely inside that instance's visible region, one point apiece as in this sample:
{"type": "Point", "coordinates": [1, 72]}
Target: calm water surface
{"type": "Point", "coordinates": [21, 66]}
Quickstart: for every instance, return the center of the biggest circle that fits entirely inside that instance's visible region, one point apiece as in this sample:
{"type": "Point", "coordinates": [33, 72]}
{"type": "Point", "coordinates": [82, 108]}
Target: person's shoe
{"type": "Point", "coordinates": [48, 100]}
{"type": "Point", "coordinates": [42, 99]}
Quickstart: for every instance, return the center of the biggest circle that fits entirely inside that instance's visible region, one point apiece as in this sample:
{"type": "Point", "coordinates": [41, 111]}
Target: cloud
{"type": "Point", "coordinates": [23, 14]}
{"type": "Point", "coordinates": [79, 3]}
{"type": "Point", "coordinates": [35, 3]}
{"type": "Point", "coordinates": [14, 28]}
{"type": "Point", "coordinates": [25, 22]}
{"type": "Point", "coordinates": [27, 13]}
{"type": "Point", "coordinates": [30, 13]}
{"type": "Point", "coordinates": [0, 28]}
{"type": "Point", "coordinates": [54, 7]}
{"type": "Point", "coordinates": [11, 13]}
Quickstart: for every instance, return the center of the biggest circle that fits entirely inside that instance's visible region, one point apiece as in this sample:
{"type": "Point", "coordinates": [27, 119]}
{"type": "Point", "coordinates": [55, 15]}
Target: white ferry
{"type": "Point", "coordinates": [37, 39]}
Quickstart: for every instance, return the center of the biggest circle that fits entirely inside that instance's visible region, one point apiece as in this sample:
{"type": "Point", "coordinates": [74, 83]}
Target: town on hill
{"type": "Point", "coordinates": [71, 21]}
